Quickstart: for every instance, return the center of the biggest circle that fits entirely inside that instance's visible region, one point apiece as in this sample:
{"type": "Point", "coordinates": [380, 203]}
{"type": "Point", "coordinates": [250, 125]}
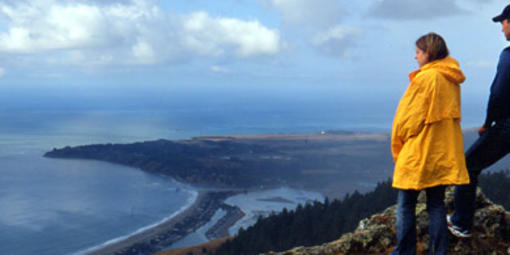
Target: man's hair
{"type": "Point", "coordinates": [434, 45]}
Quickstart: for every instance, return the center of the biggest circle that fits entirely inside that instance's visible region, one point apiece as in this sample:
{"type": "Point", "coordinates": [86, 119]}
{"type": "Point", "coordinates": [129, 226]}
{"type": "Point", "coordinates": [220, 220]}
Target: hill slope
{"type": "Point", "coordinates": [376, 235]}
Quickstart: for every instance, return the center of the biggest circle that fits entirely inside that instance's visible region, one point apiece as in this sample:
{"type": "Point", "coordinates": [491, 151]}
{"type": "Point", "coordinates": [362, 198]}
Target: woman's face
{"type": "Point", "coordinates": [421, 56]}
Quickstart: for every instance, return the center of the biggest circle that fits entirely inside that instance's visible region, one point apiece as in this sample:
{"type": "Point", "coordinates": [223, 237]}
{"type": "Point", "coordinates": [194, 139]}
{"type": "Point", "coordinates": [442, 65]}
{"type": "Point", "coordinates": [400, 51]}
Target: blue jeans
{"type": "Point", "coordinates": [406, 221]}
{"type": "Point", "coordinates": [490, 147]}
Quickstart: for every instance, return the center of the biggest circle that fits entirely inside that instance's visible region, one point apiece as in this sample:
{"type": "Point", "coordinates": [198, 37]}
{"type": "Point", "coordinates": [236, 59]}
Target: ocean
{"type": "Point", "coordinates": [52, 206]}
{"type": "Point", "coordinates": [55, 206]}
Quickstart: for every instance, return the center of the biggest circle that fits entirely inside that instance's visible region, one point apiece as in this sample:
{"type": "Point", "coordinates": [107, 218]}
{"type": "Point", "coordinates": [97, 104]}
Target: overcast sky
{"type": "Point", "coordinates": [360, 50]}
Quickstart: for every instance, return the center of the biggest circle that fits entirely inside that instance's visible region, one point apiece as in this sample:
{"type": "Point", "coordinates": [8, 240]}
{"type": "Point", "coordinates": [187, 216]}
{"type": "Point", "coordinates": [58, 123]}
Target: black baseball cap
{"type": "Point", "coordinates": [504, 15]}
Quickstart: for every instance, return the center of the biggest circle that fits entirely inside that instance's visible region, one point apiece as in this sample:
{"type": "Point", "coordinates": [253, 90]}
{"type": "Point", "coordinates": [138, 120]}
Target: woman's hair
{"type": "Point", "coordinates": [434, 45]}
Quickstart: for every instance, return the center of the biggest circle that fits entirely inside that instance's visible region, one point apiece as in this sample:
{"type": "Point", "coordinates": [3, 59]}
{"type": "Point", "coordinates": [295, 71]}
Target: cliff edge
{"type": "Point", "coordinates": [376, 235]}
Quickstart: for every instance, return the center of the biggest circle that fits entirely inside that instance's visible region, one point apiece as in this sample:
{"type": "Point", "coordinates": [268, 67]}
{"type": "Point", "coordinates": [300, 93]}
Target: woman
{"type": "Point", "coordinates": [426, 143]}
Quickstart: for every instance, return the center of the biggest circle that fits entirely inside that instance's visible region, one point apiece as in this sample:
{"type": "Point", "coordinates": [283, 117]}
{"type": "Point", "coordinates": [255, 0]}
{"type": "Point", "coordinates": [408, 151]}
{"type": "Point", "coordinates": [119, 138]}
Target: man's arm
{"type": "Point", "coordinates": [500, 92]}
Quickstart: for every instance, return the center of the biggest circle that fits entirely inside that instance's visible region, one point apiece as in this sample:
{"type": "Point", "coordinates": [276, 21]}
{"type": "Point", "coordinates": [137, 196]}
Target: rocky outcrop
{"type": "Point", "coordinates": [376, 235]}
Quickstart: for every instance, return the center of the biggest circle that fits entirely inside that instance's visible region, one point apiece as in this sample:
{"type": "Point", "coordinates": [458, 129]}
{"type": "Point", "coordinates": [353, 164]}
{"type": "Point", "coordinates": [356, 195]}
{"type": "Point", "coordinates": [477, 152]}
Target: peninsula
{"type": "Point", "coordinates": [330, 163]}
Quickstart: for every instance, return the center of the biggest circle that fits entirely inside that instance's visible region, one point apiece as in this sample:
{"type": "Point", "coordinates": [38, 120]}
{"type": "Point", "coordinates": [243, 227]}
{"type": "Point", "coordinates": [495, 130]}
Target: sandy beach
{"type": "Point", "coordinates": [169, 231]}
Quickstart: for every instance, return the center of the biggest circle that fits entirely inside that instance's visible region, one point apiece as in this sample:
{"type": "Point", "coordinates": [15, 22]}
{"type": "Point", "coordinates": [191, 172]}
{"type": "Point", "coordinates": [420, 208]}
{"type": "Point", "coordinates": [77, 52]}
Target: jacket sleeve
{"type": "Point", "coordinates": [410, 116]}
{"type": "Point", "coordinates": [412, 122]}
{"type": "Point", "coordinates": [408, 124]}
{"type": "Point", "coordinates": [396, 145]}
{"type": "Point", "coordinates": [500, 91]}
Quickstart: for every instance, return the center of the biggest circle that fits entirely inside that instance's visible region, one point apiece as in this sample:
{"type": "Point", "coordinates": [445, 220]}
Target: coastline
{"type": "Point", "coordinates": [168, 231]}
{"type": "Point", "coordinates": [240, 209]}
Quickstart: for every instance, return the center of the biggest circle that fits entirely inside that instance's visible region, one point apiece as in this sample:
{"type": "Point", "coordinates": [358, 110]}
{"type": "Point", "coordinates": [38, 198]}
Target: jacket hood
{"type": "Point", "coordinates": [448, 67]}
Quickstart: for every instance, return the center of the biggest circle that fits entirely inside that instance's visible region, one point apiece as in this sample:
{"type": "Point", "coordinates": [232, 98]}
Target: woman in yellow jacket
{"type": "Point", "coordinates": [426, 143]}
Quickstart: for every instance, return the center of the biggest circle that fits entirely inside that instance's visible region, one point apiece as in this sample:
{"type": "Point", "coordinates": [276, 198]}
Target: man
{"type": "Point", "coordinates": [493, 143]}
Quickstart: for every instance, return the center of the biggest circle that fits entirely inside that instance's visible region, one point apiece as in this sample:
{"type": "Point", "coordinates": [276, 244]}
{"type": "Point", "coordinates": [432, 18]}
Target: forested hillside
{"type": "Point", "coordinates": [310, 224]}
{"type": "Point", "coordinates": [318, 223]}
{"type": "Point", "coordinates": [496, 186]}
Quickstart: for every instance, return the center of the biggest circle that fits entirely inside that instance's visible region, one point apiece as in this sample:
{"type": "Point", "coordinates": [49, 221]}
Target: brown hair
{"type": "Point", "coordinates": [434, 45]}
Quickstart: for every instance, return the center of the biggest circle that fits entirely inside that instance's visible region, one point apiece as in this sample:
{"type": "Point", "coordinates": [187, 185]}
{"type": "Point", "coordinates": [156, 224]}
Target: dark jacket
{"type": "Point", "coordinates": [499, 100]}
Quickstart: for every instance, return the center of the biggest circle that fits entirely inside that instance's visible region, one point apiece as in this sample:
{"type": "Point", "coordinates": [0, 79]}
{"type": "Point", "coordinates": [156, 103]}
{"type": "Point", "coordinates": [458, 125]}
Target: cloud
{"type": "Point", "coordinates": [317, 13]}
{"type": "Point", "coordinates": [319, 22]}
{"type": "Point", "coordinates": [44, 25]}
{"type": "Point", "coordinates": [2, 72]}
{"type": "Point", "coordinates": [219, 69]}
{"type": "Point", "coordinates": [214, 36]}
{"type": "Point", "coordinates": [144, 51]}
{"type": "Point", "coordinates": [336, 41]}
{"type": "Point", "coordinates": [125, 32]}
{"type": "Point", "coordinates": [414, 9]}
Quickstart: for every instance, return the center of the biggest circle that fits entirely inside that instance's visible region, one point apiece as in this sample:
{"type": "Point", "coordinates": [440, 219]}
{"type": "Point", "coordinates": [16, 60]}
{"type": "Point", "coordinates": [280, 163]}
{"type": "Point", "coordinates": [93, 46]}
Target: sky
{"type": "Point", "coordinates": [62, 53]}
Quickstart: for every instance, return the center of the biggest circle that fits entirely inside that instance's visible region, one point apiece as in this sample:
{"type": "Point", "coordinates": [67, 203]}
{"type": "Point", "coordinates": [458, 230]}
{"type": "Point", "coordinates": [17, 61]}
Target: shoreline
{"type": "Point", "coordinates": [159, 235]}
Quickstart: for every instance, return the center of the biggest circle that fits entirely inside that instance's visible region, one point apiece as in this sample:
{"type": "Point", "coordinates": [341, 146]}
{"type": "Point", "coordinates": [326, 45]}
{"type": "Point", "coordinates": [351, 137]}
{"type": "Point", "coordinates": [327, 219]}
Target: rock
{"type": "Point", "coordinates": [376, 235]}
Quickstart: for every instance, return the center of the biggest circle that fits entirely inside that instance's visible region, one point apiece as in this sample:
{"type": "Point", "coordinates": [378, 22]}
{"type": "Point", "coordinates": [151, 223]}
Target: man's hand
{"type": "Point", "coordinates": [482, 130]}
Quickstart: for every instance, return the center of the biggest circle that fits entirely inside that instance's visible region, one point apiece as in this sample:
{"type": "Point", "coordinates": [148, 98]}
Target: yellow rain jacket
{"type": "Point", "coordinates": [426, 139]}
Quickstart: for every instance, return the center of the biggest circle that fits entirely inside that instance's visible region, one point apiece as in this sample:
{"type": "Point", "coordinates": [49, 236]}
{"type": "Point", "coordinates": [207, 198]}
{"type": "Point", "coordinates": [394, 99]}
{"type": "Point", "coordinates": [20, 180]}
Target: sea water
{"type": "Point", "coordinates": [61, 206]}
{"type": "Point", "coordinates": [51, 206]}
